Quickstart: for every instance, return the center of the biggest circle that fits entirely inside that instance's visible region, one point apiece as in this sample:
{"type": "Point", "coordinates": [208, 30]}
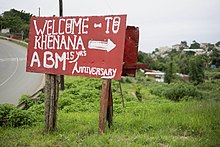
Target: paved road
{"type": "Point", "coordinates": [14, 80]}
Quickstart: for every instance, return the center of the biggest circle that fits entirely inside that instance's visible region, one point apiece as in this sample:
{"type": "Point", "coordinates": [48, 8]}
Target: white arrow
{"type": "Point", "coordinates": [102, 45]}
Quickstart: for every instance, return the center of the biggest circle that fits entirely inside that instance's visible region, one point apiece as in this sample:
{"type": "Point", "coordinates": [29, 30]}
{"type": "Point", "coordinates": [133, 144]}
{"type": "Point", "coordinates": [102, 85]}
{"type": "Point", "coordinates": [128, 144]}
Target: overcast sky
{"type": "Point", "coordinates": [161, 22]}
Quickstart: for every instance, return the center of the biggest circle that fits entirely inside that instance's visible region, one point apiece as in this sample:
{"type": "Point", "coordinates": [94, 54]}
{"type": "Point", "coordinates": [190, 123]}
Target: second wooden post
{"type": "Point", "coordinates": [106, 106]}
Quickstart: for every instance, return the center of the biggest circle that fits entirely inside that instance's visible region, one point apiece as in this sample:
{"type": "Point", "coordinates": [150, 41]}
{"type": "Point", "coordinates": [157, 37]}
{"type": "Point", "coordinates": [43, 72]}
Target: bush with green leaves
{"type": "Point", "coordinates": [38, 109]}
{"type": "Point", "coordinates": [27, 101]}
{"type": "Point", "coordinates": [126, 80]}
{"type": "Point", "coordinates": [196, 70]}
{"type": "Point", "coordinates": [5, 109]}
{"type": "Point", "coordinates": [178, 91]}
{"type": "Point", "coordinates": [175, 91]}
{"type": "Point", "coordinates": [138, 93]}
{"type": "Point", "coordinates": [81, 95]}
{"type": "Point", "coordinates": [158, 89]}
{"type": "Point", "coordinates": [210, 89]}
{"type": "Point", "coordinates": [14, 117]}
{"type": "Point", "coordinates": [18, 117]}
{"type": "Point", "coordinates": [64, 101]}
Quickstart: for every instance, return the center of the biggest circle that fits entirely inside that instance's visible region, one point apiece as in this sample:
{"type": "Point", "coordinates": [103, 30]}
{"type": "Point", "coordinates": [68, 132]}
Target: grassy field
{"type": "Point", "coordinates": [148, 119]}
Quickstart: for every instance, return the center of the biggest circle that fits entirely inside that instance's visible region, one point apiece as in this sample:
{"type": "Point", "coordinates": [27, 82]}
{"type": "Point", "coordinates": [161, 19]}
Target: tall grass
{"type": "Point", "coordinates": [154, 121]}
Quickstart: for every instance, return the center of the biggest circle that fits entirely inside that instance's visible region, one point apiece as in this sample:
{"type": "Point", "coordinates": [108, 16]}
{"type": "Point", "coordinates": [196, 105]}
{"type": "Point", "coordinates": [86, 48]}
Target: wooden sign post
{"type": "Point", "coordinates": [51, 99]}
{"type": "Point", "coordinates": [106, 106]}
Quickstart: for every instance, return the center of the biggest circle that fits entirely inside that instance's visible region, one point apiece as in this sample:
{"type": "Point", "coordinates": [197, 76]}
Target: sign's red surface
{"type": "Point", "coordinates": [131, 51]}
{"type": "Point", "coordinates": [91, 46]}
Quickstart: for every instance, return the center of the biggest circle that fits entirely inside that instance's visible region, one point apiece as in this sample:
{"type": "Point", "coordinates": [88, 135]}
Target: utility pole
{"type": "Point", "coordinates": [39, 11]}
{"type": "Point", "coordinates": [61, 7]}
{"type": "Point", "coordinates": [62, 87]}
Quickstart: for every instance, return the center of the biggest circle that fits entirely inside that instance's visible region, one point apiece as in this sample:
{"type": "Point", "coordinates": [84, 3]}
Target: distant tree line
{"type": "Point", "coordinates": [16, 21]}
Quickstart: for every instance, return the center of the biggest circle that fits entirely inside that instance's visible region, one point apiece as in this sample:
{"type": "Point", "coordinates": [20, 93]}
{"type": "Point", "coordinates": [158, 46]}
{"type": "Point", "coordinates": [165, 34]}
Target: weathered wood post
{"type": "Point", "coordinates": [51, 99]}
{"type": "Point", "coordinates": [110, 106]}
{"type": "Point", "coordinates": [104, 100]}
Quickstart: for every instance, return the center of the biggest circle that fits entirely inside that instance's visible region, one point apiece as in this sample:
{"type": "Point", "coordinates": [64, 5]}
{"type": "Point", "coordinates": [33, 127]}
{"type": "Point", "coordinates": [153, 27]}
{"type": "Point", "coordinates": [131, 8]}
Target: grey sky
{"type": "Point", "coordinates": [161, 22]}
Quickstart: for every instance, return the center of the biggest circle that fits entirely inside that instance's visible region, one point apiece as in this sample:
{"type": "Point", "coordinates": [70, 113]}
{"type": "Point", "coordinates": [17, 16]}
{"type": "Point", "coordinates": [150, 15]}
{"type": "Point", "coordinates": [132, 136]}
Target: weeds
{"type": "Point", "coordinates": [153, 121]}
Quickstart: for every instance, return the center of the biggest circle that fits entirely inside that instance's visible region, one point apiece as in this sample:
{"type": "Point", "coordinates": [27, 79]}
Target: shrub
{"type": "Point", "coordinates": [4, 113]}
{"type": "Point", "coordinates": [14, 117]}
{"type": "Point", "coordinates": [196, 70]}
{"type": "Point", "coordinates": [37, 109]}
{"type": "Point", "coordinates": [18, 117]}
{"type": "Point", "coordinates": [158, 90]}
{"type": "Point", "coordinates": [81, 95]}
{"type": "Point", "coordinates": [138, 93]}
{"type": "Point", "coordinates": [69, 85]}
{"type": "Point", "coordinates": [63, 101]}
{"type": "Point", "coordinates": [207, 86]}
{"type": "Point", "coordinates": [178, 91]}
{"type": "Point", "coordinates": [126, 80]}
{"type": "Point", "coordinates": [28, 102]}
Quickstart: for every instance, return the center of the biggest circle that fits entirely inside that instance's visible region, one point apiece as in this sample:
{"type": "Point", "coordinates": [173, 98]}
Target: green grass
{"type": "Point", "coordinates": [153, 121]}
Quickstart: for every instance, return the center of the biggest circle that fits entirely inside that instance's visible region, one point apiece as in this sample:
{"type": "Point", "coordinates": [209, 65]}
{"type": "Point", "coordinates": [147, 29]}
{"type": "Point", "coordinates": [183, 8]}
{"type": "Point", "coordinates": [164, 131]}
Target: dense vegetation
{"type": "Point", "coordinates": [177, 61]}
{"type": "Point", "coordinates": [17, 21]}
{"type": "Point", "coordinates": [155, 114]}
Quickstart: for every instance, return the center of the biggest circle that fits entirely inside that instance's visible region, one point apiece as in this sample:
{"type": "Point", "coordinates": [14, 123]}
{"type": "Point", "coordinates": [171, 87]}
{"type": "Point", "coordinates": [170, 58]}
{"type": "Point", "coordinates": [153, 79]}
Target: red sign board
{"type": "Point", "coordinates": [91, 46]}
{"type": "Point", "coordinates": [131, 51]}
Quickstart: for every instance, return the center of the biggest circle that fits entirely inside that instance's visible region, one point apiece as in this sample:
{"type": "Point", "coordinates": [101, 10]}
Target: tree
{"type": "Point", "coordinates": [215, 57]}
{"type": "Point", "coordinates": [146, 58]}
{"type": "Point", "coordinates": [217, 43]}
{"type": "Point", "coordinates": [14, 23]}
{"type": "Point", "coordinates": [184, 44]}
{"type": "Point", "coordinates": [1, 22]}
{"type": "Point", "coordinates": [171, 66]}
{"type": "Point", "coordinates": [194, 45]}
{"type": "Point", "coordinates": [22, 14]}
{"type": "Point", "coordinates": [16, 20]}
{"type": "Point", "coordinates": [159, 64]}
{"type": "Point", "coordinates": [196, 70]}
{"type": "Point", "coordinates": [141, 56]}
{"type": "Point", "coordinates": [169, 73]}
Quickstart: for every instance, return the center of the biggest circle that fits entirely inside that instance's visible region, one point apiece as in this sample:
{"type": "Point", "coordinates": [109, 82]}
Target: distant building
{"type": "Point", "coordinates": [196, 51]}
{"type": "Point", "coordinates": [204, 45]}
{"type": "Point", "coordinates": [164, 49]}
{"type": "Point", "coordinates": [157, 75]}
{"type": "Point", "coordinates": [184, 77]}
{"type": "Point", "coordinates": [177, 46]}
{"type": "Point", "coordinates": [218, 48]}
{"type": "Point", "coordinates": [182, 45]}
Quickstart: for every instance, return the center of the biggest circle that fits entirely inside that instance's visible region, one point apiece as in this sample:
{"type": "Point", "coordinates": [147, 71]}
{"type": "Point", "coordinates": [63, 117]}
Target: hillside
{"type": "Point", "coordinates": [155, 114]}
